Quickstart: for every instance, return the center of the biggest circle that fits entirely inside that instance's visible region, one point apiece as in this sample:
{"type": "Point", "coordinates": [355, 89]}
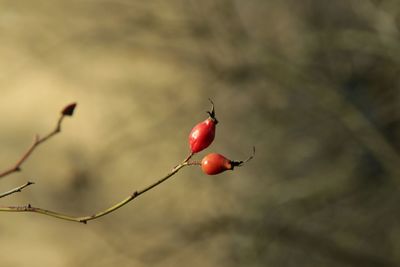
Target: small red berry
{"type": "Point", "coordinates": [215, 163]}
{"type": "Point", "coordinates": [202, 135]}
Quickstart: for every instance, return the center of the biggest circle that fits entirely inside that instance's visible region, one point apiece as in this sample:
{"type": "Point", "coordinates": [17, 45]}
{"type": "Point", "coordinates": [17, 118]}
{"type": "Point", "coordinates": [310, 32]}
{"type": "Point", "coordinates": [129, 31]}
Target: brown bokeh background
{"type": "Point", "coordinates": [313, 84]}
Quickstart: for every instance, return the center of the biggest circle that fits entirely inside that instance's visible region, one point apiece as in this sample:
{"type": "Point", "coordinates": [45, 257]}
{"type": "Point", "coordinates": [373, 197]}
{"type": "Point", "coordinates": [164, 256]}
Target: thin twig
{"type": "Point", "coordinates": [67, 111]}
{"type": "Point", "coordinates": [189, 157]}
{"type": "Point", "coordinates": [85, 219]}
{"type": "Point", "coordinates": [15, 190]}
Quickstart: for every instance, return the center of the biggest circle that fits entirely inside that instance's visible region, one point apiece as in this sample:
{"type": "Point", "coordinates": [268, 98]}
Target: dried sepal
{"type": "Point", "coordinates": [68, 110]}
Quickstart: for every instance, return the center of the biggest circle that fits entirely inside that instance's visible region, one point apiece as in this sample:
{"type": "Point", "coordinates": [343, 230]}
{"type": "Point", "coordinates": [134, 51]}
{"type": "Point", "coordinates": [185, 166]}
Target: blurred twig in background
{"type": "Point", "coordinates": [16, 190]}
{"type": "Point", "coordinates": [67, 111]}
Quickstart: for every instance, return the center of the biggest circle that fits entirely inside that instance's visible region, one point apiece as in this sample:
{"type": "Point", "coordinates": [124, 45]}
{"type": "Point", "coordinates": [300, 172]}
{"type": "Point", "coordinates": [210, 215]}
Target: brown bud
{"type": "Point", "coordinates": [68, 110]}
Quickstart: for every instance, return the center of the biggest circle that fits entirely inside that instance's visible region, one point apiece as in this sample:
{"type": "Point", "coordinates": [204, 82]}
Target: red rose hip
{"type": "Point", "coordinates": [202, 135]}
{"type": "Point", "coordinates": [215, 163]}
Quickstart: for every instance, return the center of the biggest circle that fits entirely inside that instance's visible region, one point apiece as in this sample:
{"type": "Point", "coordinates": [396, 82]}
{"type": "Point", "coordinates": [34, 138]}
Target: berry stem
{"type": "Point", "coordinates": [189, 157]}
{"type": "Point", "coordinates": [196, 162]}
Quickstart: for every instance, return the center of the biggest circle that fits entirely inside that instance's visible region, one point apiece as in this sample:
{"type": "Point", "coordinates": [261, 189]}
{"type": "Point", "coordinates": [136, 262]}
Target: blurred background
{"type": "Point", "coordinates": [313, 84]}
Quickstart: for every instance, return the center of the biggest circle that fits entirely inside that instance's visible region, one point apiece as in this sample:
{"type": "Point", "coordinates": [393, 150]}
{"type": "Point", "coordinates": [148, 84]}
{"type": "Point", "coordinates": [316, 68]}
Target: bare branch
{"type": "Point", "coordinates": [15, 190]}
{"type": "Point", "coordinates": [67, 111]}
{"type": "Point", "coordinates": [85, 219]}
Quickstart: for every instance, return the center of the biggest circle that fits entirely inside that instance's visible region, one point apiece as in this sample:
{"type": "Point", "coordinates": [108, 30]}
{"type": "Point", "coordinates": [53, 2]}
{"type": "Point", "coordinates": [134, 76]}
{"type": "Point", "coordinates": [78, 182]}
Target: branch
{"type": "Point", "coordinates": [67, 111]}
{"type": "Point", "coordinates": [15, 190]}
{"type": "Point", "coordinates": [85, 219]}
